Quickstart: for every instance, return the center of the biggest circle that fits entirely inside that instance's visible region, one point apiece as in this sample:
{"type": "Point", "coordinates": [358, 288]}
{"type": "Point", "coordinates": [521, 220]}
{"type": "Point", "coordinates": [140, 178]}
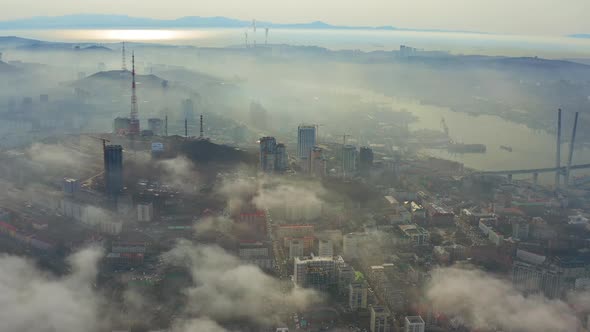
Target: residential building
{"type": "Point", "coordinates": [315, 272]}
{"type": "Point", "coordinates": [348, 160]}
{"type": "Point", "coordinates": [357, 295]}
{"type": "Point", "coordinates": [325, 248]}
{"type": "Point", "coordinates": [414, 324]}
{"type": "Point", "coordinates": [282, 158]}
{"type": "Point", "coordinates": [268, 146]}
{"type": "Point", "coordinates": [296, 248]}
{"type": "Point", "coordinates": [380, 319]}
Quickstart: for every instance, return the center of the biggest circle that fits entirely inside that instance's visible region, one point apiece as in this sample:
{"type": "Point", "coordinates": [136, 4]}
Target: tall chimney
{"type": "Point", "coordinates": [558, 152]}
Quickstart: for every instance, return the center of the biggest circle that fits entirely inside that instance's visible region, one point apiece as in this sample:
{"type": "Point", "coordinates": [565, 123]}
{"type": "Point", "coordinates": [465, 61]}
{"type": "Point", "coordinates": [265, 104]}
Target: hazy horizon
{"type": "Point", "coordinates": [524, 17]}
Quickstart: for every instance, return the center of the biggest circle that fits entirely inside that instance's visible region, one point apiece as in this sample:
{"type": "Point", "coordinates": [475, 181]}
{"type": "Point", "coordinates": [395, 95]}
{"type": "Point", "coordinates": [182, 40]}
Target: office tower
{"type": "Point", "coordinates": [282, 159]}
{"type": "Point", "coordinates": [188, 109]}
{"type": "Point", "coordinates": [348, 160]}
{"type": "Point", "coordinates": [380, 319]}
{"type": "Point", "coordinates": [317, 162]}
{"type": "Point", "coordinates": [414, 324]}
{"type": "Point", "coordinates": [268, 148]}
{"type": "Point", "coordinates": [306, 140]}
{"type": "Point", "coordinates": [357, 295]}
{"type": "Point", "coordinates": [156, 125]}
{"type": "Point", "coordinates": [113, 169]}
{"type": "Point", "coordinates": [365, 160]}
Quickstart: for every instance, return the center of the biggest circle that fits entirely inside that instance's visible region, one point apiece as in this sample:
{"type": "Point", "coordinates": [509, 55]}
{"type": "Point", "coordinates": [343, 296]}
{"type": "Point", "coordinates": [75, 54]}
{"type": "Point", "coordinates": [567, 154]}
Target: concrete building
{"type": "Point", "coordinates": [351, 244]}
{"type": "Point", "coordinates": [325, 248]}
{"type": "Point", "coordinates": [537, 278]}
{"type": "Point", "coordinates": [294, 231]}
{"type": "Point", "coordinates": [282, 158]}
{"type": "Point", "coordinates": [71, 186]}
{"type": "Point", "coordinates": [257, 253]}
{"type": "Point", "coordinates": [317, 162]}
{"type": "Point", "coordinates": [268, 147]}
{"type": "Point", "coordinates": [314, 272]}
{"type": "Point", "coordinates": [365, 160]}
{"type": "Point", "coordinates": [349, 160]}
{"type": "Point", "coordinates": [414, 234]}
{"type": "Point", "coordinates": [121, 125]}
{"type": "Point", "coordinates": [357, 295]}
{"type": "Point", "coordinates": [414, 324]}
{"type": "Point", "coordinates": [156, 126]}
{"type": "Point", "coordinates": [520, 228]}
{"type": "Point", "coordinates": [296, 248]}
{"type": "Point", "coordinates": [345, 275]}
{"type": "Point", "coordinates": [145, 212]}
{"type": "Point", "coordinates": [380, 319]}
{"type": "Point", "coordinates": [113, 169]}
{"type": "Point", "coordinates": [306, 140]}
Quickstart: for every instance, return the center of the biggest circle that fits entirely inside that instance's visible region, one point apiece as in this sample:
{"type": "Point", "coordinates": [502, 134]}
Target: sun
{"type": "Point", "coordinates": [140, 35]}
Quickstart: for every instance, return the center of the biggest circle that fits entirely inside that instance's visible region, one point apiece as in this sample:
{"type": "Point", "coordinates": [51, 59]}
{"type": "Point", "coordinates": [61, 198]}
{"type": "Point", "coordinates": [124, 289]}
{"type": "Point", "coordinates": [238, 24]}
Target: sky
{"type": "Point", "coordinates": [537, 17]}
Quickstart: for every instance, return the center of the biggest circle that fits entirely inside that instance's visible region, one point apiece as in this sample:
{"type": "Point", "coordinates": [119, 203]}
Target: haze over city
{"type": "Point", "coordinates": [302, 166]}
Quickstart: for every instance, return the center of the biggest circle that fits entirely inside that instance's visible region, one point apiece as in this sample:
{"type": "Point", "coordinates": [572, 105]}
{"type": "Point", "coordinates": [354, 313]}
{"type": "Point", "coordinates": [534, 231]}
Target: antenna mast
{"type": "Point", "coordinates": [123, 58]}
{"type": "Point", "coordinates": [166, 125]}
{"type": "Point", "coordinates": [133, 121]}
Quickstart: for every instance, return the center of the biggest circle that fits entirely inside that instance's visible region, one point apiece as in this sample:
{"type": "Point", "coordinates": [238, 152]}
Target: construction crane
{"type": "Point", "coordinates": [104, 141]}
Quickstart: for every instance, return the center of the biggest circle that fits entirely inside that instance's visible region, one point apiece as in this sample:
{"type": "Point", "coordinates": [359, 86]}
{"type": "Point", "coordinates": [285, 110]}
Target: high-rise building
{"type": "Point", "coordinates": [188, 109]}
{"type": "Point", "coordinates": [317, 162]}
{"type": "Point", "coordinates": [282, 159]}
{"type": "Point", "coordinates": [365, 160]}
{"type": "Point", "coordinates": [380, 319]}
{"type": "Point", "coordinates": [268, 151]}
{"type": "Point", "coordinates": [325, 248]}
{"type": "Point", "coordinates": [348, 160]}
{"type": "Point", "coordinates": [357, 295]}
{"type": "Point", "coordinates": [155, 125]}
{"type": "Point", "coordinates": [414, 324]}
{"type": "Point", "coordinates": [314, 272]}
{"type": "Point", "coordinates": [113, 169]}
{"type": "Point", "coordinates": [306, 140]}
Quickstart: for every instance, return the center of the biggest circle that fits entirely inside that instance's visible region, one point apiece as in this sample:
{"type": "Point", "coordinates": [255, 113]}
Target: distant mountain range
{"type": "Point", "coordinates": [96, 21]}
{"type": "Point", "coordinates": [122, 21]}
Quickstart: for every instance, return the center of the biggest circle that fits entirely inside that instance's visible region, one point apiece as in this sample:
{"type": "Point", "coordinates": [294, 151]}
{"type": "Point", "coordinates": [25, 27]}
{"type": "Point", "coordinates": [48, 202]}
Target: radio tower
{"type": "Point", "coordinates": [123, 58]}
{"type": "Point", "coordinates": [133, 120]}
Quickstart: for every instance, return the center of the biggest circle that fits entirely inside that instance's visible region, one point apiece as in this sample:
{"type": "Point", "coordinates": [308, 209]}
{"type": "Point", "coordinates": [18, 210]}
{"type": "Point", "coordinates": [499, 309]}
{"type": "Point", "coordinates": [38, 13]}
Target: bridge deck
{"type": "Point", "coordinates": [531, 171]}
